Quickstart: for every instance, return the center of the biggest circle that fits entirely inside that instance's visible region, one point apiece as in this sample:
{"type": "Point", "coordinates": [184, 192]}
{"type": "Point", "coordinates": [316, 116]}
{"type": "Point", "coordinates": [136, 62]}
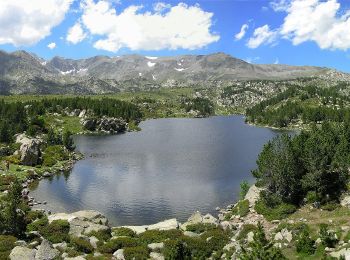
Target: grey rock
{"type": "Point", "coordinates": [93, 241]}
{"type": "Point", "coordinates": [119, 254]}
{"type": "Point", "coordinates": [191, 234]}
{"type": "Point", "coordinates": [156, 246]}
{"type": "Point", "coordinates": [46, 251]}
{"type": "Point", "coordinates": [29, 150]}
{"type": "Point", "coordinates": [21, 253]}
{"type": "Point", "coordinates": [156, 256]}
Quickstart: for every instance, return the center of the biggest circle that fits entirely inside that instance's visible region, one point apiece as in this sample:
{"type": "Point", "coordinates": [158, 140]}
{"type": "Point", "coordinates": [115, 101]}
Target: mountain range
{"type": "Point", "coordinates": [23, 73]}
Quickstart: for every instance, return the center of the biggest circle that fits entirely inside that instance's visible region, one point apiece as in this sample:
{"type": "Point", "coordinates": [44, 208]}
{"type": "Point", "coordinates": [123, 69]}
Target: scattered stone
{"type": "Point", "coordinates": [29, 150]}
{"type": "Point", "coordinates": [253, 195]}
{"type": "Point", "coordinates": [119, 254]}
{"type": "Point", "coordinates": [46, 251]}
{"type": "Point", "coordinates": [156, 246]}
{"type": "Point", "coordinates": [156, 256]}
{"type": "Point", "coordinates": [93, 241]}
{"type": "Point", "coordinates": [20, 243]}
{"type": "Point", "coordinates": [342, 252]}
{"type": "Point", "coordinates": [250, 237]}
{"type": "Point", "coordinates": [278, 236]}
{"type": "Point", "coordinates": [164, 225]}
{"type": "Point", "coordinates": [20, 253]}
{"type": "Point", "coordinates": [191, 234]}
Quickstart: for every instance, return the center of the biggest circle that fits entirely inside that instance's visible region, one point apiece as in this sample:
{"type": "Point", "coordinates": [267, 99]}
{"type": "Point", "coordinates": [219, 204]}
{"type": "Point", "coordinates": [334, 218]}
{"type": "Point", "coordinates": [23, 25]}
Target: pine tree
{"type": "Point", "coordinates": [68, 140]}
{"type": "Point", "coordinates": [261, 248]}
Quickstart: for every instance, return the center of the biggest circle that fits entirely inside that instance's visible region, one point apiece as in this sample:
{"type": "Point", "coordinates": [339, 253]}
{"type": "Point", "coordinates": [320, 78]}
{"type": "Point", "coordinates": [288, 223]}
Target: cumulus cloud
{"type": "Point", "coordinates": [279, 5]}
{"type": "Point", "coordinates": [51, 45]}
{"type": "Point", "coordinates": [76, 34]}
{"type": "Point", "coordinates": [24, 22]}
{"type": "Point", "coordinates": [160, 6]}
{"type": "Point", "coordinates": [262, 35]}
{"type": "Point", "coordinates": [243, 31]}
{"type": "Point", "coordinates": [319, 21]}
{"type": "Point", "coordinates": [180, 26]}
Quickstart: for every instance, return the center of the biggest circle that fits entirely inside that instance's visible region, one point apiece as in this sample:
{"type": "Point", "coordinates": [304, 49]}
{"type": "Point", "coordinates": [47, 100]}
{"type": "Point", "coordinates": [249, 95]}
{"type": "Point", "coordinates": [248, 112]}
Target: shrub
{"type": "Point", "coordinates": [123, 231]}
{"type": "Point", "coordinates": [244, 189]}
{"type": "Point", "coordinates": [312, 197]}
{"type": "Point", "coordinates": [305, 244]}
{"type": "Point", "coordinates": [242, 208]}
{"type": "Point", "coordinates": [196, 248]}
{"type": "Point", "coordinates": [6, 245]}
{"type": "Point", "coordinates": [53, 154]}
{"type": "Point", "coordinates": [38, 224]}
{"type": "Point", "coordinates": [330, 206]}
{"type": "Point", "coordinates": [156, 236]}
{"type": "Point", "coordinates": [173, 250]}
{"type": "Point", "coordinates": [137, 252]}
{"type": "Point", "coordinates": [216, 239]}
{"type": "Point", "coordinates": [56, 232]}
{"type": "Point", "coordinates": [200, 227]}
{"type": "Point", "coordinates": [81, 245]}
{"type": "Point", "coordinates": [118, 243]}
{"type": "Point", "coordinates": [245, 230]}
{"type": "Point", "coordinates": [328, 237]}
{"type": "Point", "coordinates": [102, 235]}
{"type": "Point", "coordinates": [280, 211]}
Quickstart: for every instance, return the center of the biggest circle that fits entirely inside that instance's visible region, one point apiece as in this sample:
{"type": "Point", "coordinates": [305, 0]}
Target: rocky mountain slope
{"type": "Point", "coordinates": [22, 72]}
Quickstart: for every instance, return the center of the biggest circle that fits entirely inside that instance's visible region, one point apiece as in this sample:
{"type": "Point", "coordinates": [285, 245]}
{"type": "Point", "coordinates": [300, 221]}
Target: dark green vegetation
{"type": "Point", "coordinates": [18, 117]}
{"type": "Point", "coordinates": [302, 105]}
{"type": "Point", "coordinates": [310, 166]}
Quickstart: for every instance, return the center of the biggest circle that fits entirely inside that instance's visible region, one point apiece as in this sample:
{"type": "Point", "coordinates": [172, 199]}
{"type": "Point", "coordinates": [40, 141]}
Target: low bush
{"type": "Point", "coordinates": [173, 249]}
{"type": "Point", "coordinates": [137, 252]}
{"type": "Point", "coordinates": [38, 224]}
{"type": "Point", "coordinates": [81, 245]}
{"type": "Point", "coordinates": [200, 227]}
{"type": "Point", "coordinates": [245, 230]}
{"type": "Point", "coordinates": [7, 243]}
{"type": "Point", "coordinates": [304, 244]}
{"type": "Point", "coordinates": [118, 243]}
{"type": "Point", "coordinates": [54, 154]}
{"type": "Point", "coordinates": [241, 209]}
{"type": "Point", "coordinates": [101, 235]}
{"type": "Point", "coordinates": [156, 236]}
{"type": "Point", "coordinates": [330, 206]}
{"type": "Point", "coordinates": [123, 231]}
{"type": "Point", "coordinates": [280, 211]}
{"type": "Point", "coordinates": [216, 239]}
{"type": "Point", "coordinates": [56, 232]}
{"type": "Point", "coordinates": [328, 237]}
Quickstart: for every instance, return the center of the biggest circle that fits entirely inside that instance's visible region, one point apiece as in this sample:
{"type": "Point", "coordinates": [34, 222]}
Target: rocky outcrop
{"type": "Point", "coordinates": [20, 253]}
{"type": "Point", "coordinates": [83, 222]}
{"type": "Point", "coordinates": [164, 225]}
{"type": "Point", "coordinates": [46, 251]}
{"type": "Point", "coordinates": [105, 124]}
{"type": "Point", "coordinates": [29, 150]}
{"type": "Point", "coordinates": [253, 195]}
{"type": "Point", "coordinates": [197, 218]}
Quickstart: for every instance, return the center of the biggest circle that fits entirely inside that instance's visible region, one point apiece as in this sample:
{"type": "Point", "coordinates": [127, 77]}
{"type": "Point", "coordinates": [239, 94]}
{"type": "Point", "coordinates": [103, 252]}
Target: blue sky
{"type": "Point", "coordinates": [295, 32]}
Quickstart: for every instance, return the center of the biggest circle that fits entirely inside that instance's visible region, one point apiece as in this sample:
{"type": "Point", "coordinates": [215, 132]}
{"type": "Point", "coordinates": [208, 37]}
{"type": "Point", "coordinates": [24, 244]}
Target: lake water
{"type": "Point", "coordinates": [171, 168]}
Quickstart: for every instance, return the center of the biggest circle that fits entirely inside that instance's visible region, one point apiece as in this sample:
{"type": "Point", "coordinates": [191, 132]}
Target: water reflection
{"type": "Point", "coordinates": [169, 169]}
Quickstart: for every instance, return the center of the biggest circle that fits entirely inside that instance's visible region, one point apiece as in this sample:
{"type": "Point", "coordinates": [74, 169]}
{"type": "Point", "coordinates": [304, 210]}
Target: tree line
{"type": "Point", "coordinates": [311, 166]}
{"type": "Point", "coordinates": [18, 117]}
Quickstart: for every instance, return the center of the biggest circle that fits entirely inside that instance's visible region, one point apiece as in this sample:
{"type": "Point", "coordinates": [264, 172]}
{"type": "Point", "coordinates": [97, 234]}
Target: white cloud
{"type": "Point", "coordinates": [277, 61]}
{"type": "Point", "coordinates": [76, 34]}
{"type": "Point", "coordinates": [51, 45]}
{"type": "Point", "coordinates": [160, 7]}
{"type": "Point", "coordinates": [243, 31]}
{"type": "Point", "coordinates": [180, 26]}
{"type": "Point", "coordinates": [262, 35]}
{"type": "Point", "coordinates": [24, 22]}
{"type": "Point", "coordinates": [279, 5]}
{"type": "Point", "coordinates": [317, 21]}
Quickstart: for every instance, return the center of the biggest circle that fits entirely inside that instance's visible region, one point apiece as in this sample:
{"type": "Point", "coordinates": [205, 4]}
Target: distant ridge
{"type": "Point", "coordinates": [23, 72]}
